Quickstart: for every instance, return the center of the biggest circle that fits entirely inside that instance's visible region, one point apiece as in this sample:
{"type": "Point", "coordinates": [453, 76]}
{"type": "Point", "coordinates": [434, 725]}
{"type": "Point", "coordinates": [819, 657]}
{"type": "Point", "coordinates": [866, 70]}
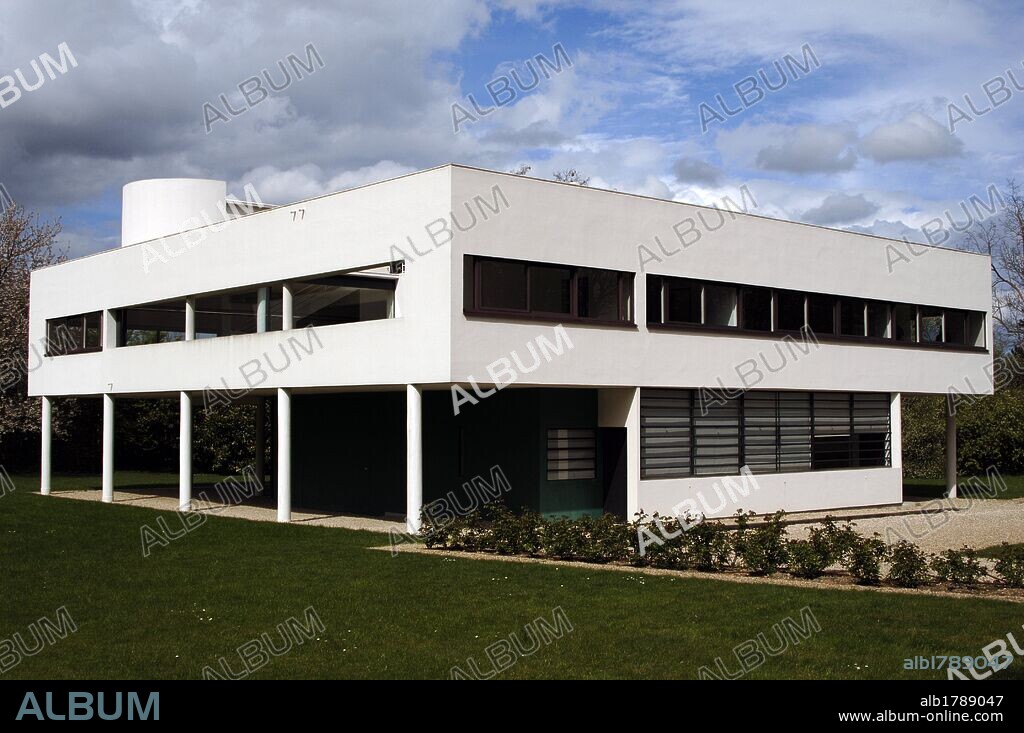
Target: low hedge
{"type": "Point", "coordinates": [690, 543]}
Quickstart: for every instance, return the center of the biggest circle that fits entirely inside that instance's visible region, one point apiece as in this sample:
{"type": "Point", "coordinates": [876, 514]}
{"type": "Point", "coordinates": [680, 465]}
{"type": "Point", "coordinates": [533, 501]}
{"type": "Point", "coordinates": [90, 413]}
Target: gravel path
{"type": "Point", "coordinates": [260, 510]}
{"type": "Point", "coordinates": [977, 523]}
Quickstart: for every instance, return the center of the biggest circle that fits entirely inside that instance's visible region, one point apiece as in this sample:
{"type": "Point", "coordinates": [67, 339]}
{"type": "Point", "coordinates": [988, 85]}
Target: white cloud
{"type": "Point", "coordinates": [806, 148]}
{"type": "Point", "coordinates": [915, 137]}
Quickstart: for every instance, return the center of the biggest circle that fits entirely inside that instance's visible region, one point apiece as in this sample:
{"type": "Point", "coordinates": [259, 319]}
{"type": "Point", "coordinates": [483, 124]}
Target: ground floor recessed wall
{"type": "Point", "coordinates": [349, 452]}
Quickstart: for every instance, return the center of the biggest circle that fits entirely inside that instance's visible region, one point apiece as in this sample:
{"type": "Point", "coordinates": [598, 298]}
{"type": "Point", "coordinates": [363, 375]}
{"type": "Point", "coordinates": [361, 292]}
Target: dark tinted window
{"type": "Point", "coordinates": [549, 289]}
{"type": "Point", "coordinates": [683, 301]}
{"type": "Point", "coordinates": [956, 327]}
{"type": "Point", "coordinates": [878, 320]}
{"type": "Point", "coordinates": [931, 325]}
{"type": "Point", "coordinates": [503, 285]}
{"type": "Point", "coordinates": [904, 321]}
{"type": "Point", "coordinates": [719, 305]}
{"type": "Point", "coordinates": [851, 317]}
{"type": "Point", "coordinates": [791, 310]}
{"type": "Point", "coordinates": [598, 293]}
{"type": "Point", "coordinates": [821, 314]}
{"type": "Point", "coordinates": [654, 300]}
{"type": "Point", "coordinates": [73, 334]}
{"type": "Point", "coordinates": [756, 304]}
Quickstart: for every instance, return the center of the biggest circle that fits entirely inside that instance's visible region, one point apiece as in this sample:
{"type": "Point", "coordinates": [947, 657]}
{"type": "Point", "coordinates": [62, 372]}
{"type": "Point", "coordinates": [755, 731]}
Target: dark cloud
{"type": "Point", "coordinates": [693, 170]}
{"type": "Point", "coordinates": [840, 208]}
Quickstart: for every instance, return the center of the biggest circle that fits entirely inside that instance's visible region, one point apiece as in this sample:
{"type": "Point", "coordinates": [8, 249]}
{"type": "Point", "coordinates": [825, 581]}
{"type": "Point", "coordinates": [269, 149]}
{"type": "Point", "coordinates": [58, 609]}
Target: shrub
{"type": "Point", "coordinates": [514, 534]}
{"type": "Point", "coordinates": [562, 538]}
{"type": "Point", "coordinates": [706, 546]}
{"type": "Point", "coordinates": [1010, 565]}
{"type": "Point", "coordinates": [458, 533]}
{"type": "Point", "coordinates": [739, 535]}
{"type": "Point", "coordinates": [603, 539]}
{"type": "Point", "coordinates": [806, 559]}
{"type": "Point", "coordinates": [833, 541]}
{"type": "Point", "coordinates": [764, 548]}
{"type": "Point", "coordinates": [864, 559]}
{"type": "Point", "coordinates": [958, 567]}
{"type": "Point", "coordinates": [668, 550]}
{"type": "Point", "coordinates": [908, 565]}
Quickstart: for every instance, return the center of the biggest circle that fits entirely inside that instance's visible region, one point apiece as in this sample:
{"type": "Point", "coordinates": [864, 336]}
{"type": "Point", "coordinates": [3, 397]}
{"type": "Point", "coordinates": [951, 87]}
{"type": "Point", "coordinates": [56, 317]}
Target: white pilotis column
{"type": "Point", "coordinates": [190, 319]}
{"type": "Point", "coordinates": [259, 462]}
{"type": "Point", "coordinates": [284, 455]}
{"type": "Point", "coordinates": [950, 450]}
{"type": "Point", "coordinates": [185, 455]}
{"type": "Point", "coordinates": [45, 434]}
{"type": "Point", "coordinates": [413, 456]}
{"type": "Point", "coordinates": [287, 319]}
{"type": "Point", "coordinates": [108, 448]}
{"type": "Point", "coordinates": [262, 309]}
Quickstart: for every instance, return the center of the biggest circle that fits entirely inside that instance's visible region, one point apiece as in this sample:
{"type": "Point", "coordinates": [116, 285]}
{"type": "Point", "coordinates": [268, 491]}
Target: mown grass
{"type": "Point", "coordinates": [928, 487]}
{"type": "Point", "coordinates": [415, 616]}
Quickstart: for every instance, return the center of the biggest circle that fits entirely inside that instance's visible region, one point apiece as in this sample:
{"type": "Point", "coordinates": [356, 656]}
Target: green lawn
{"type": "Point", "coordinates": [229, 581]}
{"type": "Point", "coordinates": [937, 487]}
{"type": "Point", "coordinates": [134, 479]}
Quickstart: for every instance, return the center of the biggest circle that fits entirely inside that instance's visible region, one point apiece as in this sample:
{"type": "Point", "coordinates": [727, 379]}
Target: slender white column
{"type": "Point", "coordinates": [284, 455]}
{"type": "Point", "coordinates": [109, 329]}
{"type": "Point", "coordinates": [185, 455]}
{"type": "Point", "coordinates": [259, 462]}
{"type": "Point", "coordinates": [287, 320]}
{"type": "Point", "coordinates": [262, 309]}
{"type": "Point", "coordinates": [108, 448]}
{"type": "Point", "coordinates": [633, 455]}
{"type": "Point", "coordinates": [190, 319]}
{"type": "Point", "coordinates": [950, 452]}
{"type": "Point", "coordinates": [45, 434]}
{"type": "Point", "coordinates": [413, 456]}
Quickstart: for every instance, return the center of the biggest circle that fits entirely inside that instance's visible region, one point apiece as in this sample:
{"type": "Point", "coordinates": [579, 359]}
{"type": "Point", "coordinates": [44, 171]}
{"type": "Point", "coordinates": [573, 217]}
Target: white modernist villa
{"type": "Point", "coordinates": [609, 352]}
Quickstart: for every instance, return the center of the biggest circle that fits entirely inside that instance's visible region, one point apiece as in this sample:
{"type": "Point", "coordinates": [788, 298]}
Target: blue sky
{"type": "Point", "coordinates": [860, 141]}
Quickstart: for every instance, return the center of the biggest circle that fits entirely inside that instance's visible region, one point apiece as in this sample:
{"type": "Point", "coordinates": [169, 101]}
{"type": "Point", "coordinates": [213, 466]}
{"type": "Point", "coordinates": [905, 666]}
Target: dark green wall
{"type": "Point", "coordinates": [508, 429]}
{"type": "Point", "coordinates": [348, 450]}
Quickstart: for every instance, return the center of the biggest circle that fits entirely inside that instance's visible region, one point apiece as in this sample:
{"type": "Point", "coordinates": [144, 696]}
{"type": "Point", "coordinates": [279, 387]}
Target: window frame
{"type": "Point", "coordinates": [626, 294]}
{"type": "Point", "coordinates": [975, 336]}
{"type": "Point", "coordinates": [82, 347]}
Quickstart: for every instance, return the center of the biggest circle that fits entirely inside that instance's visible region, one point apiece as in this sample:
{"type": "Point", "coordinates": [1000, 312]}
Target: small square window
{"type": "Point", "coordinates": [550, 289]}
{"type": "Point", "coordinates": [502, 285]}
{"type": "Point", "coordinates": [683, 301]}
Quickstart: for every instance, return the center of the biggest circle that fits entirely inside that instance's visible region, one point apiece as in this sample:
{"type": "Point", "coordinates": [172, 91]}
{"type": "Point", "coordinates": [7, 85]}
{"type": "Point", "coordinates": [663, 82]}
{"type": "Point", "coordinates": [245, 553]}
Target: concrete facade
{"type": "Point", "coordinates": [430, 221]}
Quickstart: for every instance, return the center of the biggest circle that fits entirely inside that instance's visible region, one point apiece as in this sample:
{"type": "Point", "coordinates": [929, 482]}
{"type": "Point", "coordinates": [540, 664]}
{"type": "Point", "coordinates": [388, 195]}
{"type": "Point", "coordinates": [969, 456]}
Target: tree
{"type": "Point", "coordinates": [571, 175]}
{"type": "Point", "coordinates": [1001, 237]}
{"type": "Point", "coordinates": [25, 244]}
{"type": "Point", "coordinates": [566, 175]}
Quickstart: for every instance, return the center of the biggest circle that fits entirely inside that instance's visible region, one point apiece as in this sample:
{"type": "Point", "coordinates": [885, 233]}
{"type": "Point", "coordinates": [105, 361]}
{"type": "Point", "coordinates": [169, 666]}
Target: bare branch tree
{"type": "Point", "coordinates": [1002, 238]}
{"type": "Point", "coordinates": [571, 175]}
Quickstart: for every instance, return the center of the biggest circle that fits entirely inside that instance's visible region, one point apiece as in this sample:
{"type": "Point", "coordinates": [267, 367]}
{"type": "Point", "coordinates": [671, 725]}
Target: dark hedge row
{"type": "Point", "coordinates": [763, 548]}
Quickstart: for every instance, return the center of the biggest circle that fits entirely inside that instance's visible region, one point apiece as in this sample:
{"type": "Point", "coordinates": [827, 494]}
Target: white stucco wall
{"type": "Point", "coordinates": [352, 229]}
{"type": "Point", "coordinates": [550, 222]}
